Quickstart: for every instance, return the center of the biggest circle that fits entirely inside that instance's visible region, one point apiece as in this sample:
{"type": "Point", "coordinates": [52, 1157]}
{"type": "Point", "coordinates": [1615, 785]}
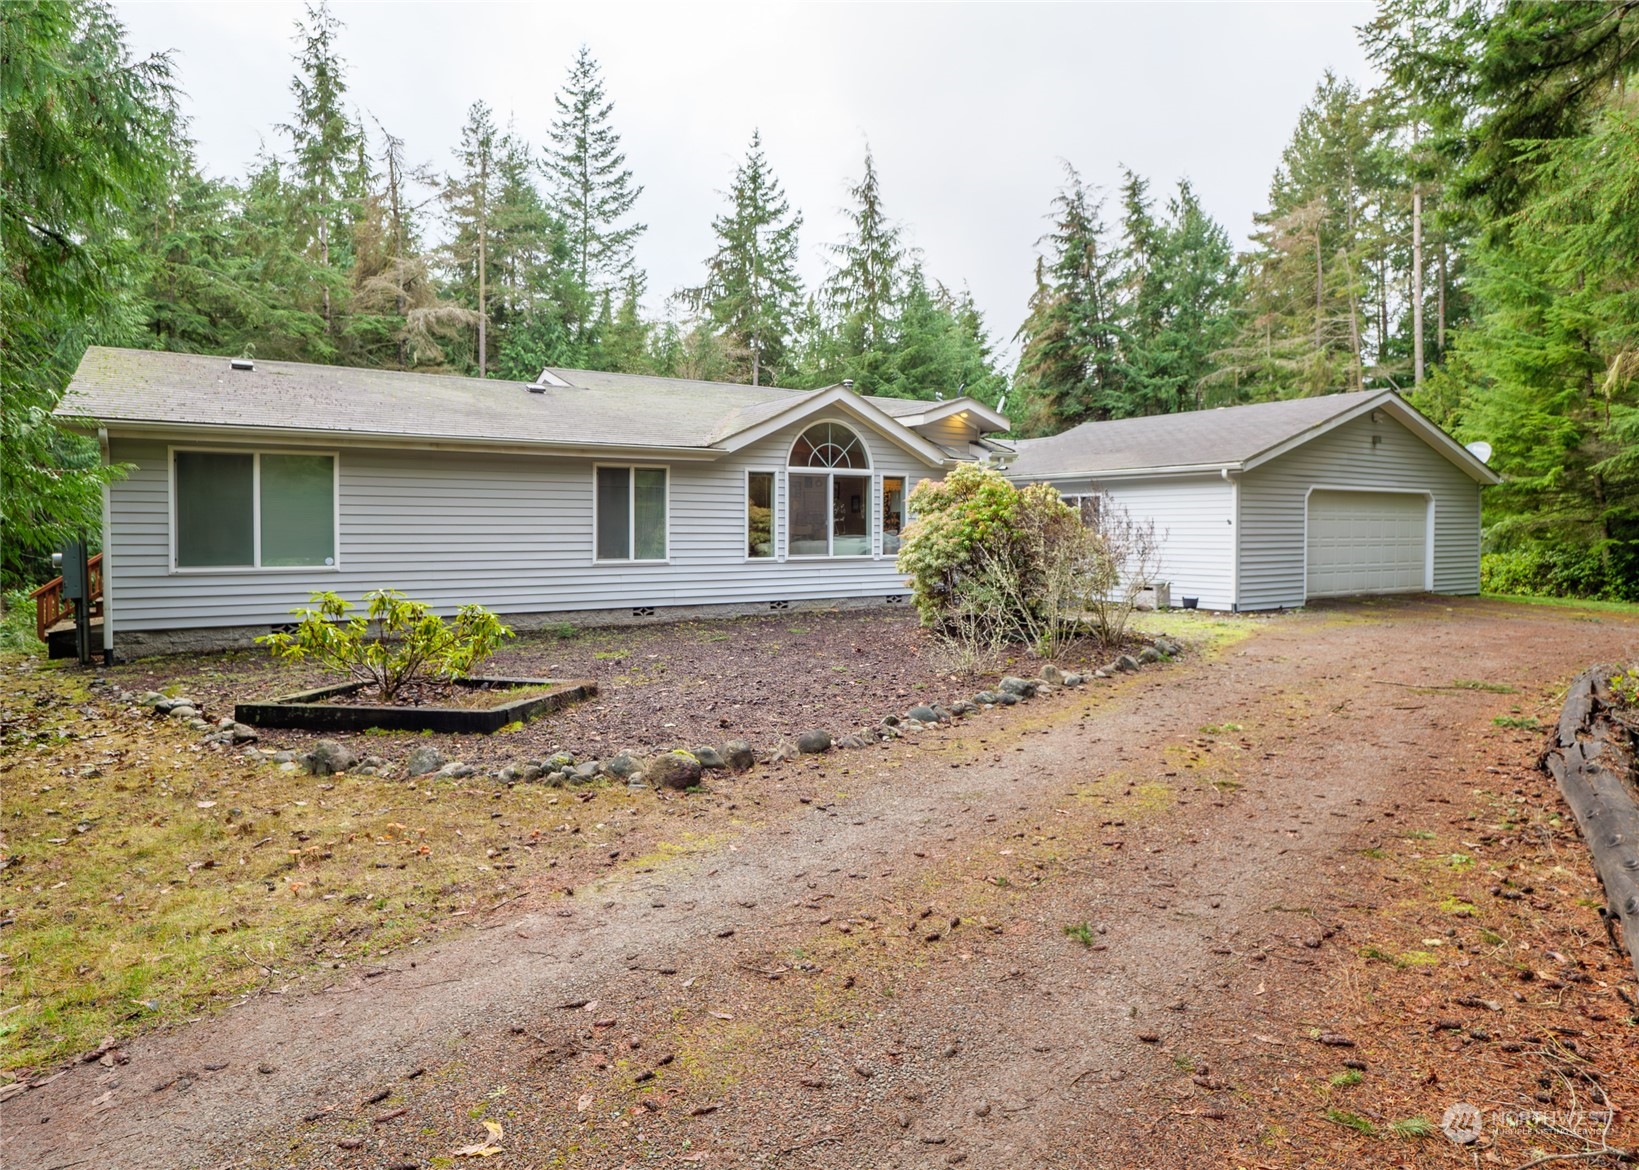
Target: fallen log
{"type": "Point", "coordinates": [1591, 759]}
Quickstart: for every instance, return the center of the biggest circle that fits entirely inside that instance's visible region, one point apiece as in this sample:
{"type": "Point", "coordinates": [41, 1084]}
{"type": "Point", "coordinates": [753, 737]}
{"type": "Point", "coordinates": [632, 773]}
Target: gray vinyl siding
{"type": "Point", "coordinates": [511, 532]}
{"type": "Point", "coordinates": [1193, 517]}
{"type": "Point", "coordinates": [1274, 502]}
{"type": "Point", "coordinates": [949, 432]}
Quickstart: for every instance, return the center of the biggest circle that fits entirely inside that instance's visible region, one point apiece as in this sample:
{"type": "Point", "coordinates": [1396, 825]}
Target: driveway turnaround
{"type": "Point", "coordinates": [1115, 926]}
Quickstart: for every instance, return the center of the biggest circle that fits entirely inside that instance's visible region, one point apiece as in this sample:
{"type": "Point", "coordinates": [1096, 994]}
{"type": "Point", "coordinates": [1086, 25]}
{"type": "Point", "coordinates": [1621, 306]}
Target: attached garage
{"type": "Point", "coordinates": [1269, 505]}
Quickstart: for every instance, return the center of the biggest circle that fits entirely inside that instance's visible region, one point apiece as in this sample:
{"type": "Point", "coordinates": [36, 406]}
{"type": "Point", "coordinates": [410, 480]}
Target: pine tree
{"type": "Point", "coordinates": [752, 293]}
{"type": "Point", "coordinates": [590, 189]}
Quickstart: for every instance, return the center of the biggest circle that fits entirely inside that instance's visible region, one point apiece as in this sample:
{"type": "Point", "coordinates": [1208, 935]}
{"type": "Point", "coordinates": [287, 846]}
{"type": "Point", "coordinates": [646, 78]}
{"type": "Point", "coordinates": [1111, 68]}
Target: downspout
{"type": "Point", "coordinates": [1234, 540]}
{"type": "Point", "coordinates": [107, 559]}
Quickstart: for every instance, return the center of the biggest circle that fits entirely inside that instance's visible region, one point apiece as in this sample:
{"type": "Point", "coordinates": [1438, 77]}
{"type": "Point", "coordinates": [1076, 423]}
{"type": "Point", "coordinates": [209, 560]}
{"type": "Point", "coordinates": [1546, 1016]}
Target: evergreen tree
{"type": "Point", "coordinates": [469, 201]}
{"type": "Point", "coordinates": [591, 191]}
{"type": "Point", "coordinates": [1180, 283]}
{"type": "Point", "coordinates": [752, 293]}
{"type": "Point", "coordinates": [70, 90]}
{"type": "Point", "coordinates": [940, 347]}
{"type": "Point", "coordinates": [1552, 361]}
{"type": "Point", "coordinates": [864, 291]}
{"type": "Point", "coordinates": [330, 169]}
{"type": "Point", "coordinates": [1069, 361]}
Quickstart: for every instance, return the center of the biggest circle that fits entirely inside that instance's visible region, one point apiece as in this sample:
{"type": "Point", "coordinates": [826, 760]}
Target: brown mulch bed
{"type": "Point", "coordinates": [682, 684]}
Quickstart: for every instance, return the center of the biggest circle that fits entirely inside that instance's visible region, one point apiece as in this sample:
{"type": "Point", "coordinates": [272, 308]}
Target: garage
{"type": "Point", "coordinates": [1366, 542]}
{"type": "Point", "coordinates": [1266, 505]}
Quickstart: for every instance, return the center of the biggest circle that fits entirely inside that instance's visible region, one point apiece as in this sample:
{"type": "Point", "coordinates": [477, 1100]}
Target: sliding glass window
{"type": "Point", "coordinates": [247, 510]}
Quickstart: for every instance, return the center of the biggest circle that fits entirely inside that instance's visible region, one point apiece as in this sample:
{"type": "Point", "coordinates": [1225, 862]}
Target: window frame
{"type": "Point", "coordinates": [774, 498]}
{"type": "Point", "coordinates": [631, 513]}
{"type": "Point", "coordinates": [255, 454]}
{"type": "Point", "coordinates": [868, 473]}
{"type": "Point", "coordinates": [881, 540]}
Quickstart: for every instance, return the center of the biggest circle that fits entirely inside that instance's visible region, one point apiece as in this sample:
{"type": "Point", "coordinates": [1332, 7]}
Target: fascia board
{"type": "Point", "coordinates": [850, 403]}
{"type": "Point", "coordinates": [299, 436]}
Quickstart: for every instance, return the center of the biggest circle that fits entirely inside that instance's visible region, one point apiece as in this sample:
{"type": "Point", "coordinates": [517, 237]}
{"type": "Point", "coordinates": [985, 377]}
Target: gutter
{"type": "Point", "coordinates": [252, 435]}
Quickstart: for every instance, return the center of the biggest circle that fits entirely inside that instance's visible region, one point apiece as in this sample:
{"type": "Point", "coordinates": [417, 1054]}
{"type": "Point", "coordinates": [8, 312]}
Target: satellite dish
{"type": "Point", "coordinates": [1481, 450]}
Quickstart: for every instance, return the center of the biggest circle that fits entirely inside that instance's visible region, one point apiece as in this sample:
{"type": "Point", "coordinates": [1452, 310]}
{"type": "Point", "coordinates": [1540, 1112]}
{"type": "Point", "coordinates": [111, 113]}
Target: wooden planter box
{"type": "Point", "coordinates": [308, 711]}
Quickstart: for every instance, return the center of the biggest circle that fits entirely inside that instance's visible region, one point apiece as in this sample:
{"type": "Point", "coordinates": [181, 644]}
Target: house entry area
{"type": "Point", "coordinates": [1367, 542]}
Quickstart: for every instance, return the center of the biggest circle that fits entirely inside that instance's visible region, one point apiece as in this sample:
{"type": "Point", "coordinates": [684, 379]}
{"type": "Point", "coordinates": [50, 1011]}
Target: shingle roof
{"type": "Point", "coordinates": [595, 408]}
{"type": "Point", "coordinates": [145, 386]}
{"type": "Point", "coordinates": [1226, 437]}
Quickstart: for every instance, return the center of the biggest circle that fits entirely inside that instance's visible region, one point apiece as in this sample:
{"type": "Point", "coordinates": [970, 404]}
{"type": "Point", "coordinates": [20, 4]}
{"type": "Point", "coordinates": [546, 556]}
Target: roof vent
{"type": "Point", "coordinates": [548, 378]}
{"type": "Point", "coordinates": [242, 363]}
{"type": "Point", "coordinates": [847, 383]}
{"type": "Point", "coordinates": [535, 387]}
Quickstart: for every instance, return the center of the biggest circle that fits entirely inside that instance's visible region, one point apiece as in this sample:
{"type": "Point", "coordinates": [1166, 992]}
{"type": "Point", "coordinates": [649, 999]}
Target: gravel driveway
{"type": "Point", "coordinates": [1057, 935]}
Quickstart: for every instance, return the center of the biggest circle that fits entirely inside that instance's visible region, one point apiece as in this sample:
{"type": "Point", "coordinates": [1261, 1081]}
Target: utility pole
{"type": "Point", "coordinates": [1417, 283]}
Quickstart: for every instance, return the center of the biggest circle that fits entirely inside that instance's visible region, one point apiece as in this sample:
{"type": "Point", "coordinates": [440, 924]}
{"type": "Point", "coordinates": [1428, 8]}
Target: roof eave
{"type": "Point", "coordinates": [836, 397]}
{"type": "Point", "coordinates": [310, 437]}
{"type": "Point", "coordinates": [1232, 468]}
{"type": "Point", "coordinates": [1410, 416]}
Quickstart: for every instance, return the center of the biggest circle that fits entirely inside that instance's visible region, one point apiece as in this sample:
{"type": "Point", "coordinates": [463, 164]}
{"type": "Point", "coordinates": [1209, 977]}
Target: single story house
{"type": "Point", "coordinates": [1269, 505]}
{"type": "Point", "coordinates": [251, 485]}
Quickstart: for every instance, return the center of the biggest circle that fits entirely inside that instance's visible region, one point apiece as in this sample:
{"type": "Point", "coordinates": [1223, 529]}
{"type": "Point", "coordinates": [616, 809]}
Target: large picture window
{"type": "Point", "coordinates": [247, 510]}
{"type": "Point", "coordinates": [829, 509]}
{"type": "Point", "coordinates": [631, 513]}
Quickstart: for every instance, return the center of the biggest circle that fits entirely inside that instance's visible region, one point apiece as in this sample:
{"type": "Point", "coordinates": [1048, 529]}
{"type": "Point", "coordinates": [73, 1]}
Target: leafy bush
{"type": "Point", "coordinates": [410, 639]}
{"type": "Point", "coordinates": [17, 624]}
{"type": "Point", "coordinates": [990, 564]}
{"type": "Point", "coordinates": [1545, 571]}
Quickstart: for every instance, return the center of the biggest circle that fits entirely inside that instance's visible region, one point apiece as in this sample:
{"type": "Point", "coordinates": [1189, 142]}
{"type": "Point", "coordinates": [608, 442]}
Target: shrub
{"type": "Point", "coordinates": [990, 563]}
{"type": "Point", "coordinates": [410, 640]}
{"type": "Point", "coordinates": [1546, 571]}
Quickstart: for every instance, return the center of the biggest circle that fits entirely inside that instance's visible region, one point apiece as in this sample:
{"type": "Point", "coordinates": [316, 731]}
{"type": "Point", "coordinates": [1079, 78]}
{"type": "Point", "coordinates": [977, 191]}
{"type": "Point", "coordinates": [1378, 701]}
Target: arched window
{"type": "Point", "coordinates": [829, 508]}
{"type": "Point", "coordinates": [829, 444]}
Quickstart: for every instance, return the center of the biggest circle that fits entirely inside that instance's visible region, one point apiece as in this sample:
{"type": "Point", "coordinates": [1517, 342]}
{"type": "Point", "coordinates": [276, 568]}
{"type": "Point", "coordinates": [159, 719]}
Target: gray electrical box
{"type": "Point", "coordinates": [74, 572]}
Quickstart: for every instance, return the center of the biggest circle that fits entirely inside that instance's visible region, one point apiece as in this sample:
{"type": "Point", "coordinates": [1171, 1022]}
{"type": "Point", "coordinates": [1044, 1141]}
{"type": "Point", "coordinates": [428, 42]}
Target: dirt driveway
{"type": "Point", "coordinates": [1104, 929]}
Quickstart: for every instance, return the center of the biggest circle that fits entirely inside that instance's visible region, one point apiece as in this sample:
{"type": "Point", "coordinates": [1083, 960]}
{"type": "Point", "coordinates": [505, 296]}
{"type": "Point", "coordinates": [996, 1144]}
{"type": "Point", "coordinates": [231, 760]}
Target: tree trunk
{"type": "Point", "coordinates": [1416, 284]}
{"type": "Point", "coordinates": [483, 241]}
{"type": "Point", "coordinates": [1588, 759]}
{"type": "Point", "coordinates": [1440, 319]}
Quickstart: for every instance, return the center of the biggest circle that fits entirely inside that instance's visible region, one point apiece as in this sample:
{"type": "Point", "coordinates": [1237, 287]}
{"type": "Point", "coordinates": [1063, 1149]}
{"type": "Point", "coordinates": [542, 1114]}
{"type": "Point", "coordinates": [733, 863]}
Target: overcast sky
{"type": "Point", "coordinates": [971, 110]}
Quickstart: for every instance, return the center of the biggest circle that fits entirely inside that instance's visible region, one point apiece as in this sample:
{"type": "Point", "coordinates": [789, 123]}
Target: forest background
{"type": "Point", "coordinates": [1466, 232]}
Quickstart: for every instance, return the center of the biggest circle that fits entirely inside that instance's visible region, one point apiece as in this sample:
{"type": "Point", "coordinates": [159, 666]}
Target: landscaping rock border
{"type": "Point", "coordinates": [1591, 757]}
{"type": "Point", "coordinates": [676, 768]}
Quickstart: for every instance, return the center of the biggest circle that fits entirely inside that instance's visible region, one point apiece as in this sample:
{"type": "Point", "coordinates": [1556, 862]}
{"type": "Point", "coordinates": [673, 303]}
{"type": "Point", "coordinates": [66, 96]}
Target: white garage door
{"type": "Point", "coordinates": [1367, 542]}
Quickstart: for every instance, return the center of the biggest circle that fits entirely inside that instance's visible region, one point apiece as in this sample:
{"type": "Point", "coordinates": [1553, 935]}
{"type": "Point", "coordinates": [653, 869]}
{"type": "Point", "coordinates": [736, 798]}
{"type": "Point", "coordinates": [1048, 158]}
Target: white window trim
{"type": "Point", "coordinates": [773, 556]}
{"type": "Point", "coordinates": [255, 454]}
{"type": "Point", "coordinates": [631, 514]}
{"type": "Point", "coordinates": [867, 472]}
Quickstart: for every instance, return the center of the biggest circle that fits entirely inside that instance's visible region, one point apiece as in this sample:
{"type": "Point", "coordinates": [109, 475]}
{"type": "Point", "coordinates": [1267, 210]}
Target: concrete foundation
{"type": "Point", "coordinates": [133, 644]}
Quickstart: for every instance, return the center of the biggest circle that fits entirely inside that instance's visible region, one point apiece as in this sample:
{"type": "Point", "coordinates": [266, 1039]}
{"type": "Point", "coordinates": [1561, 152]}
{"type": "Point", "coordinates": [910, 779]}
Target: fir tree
{"type": "Point", "coordinates": [1069, 360]}
{"type": "Point", "coordinates": [864, 291]}
{"type": "Point", "coordinates": [591, 191]}
{"type": "Point", "coordinates": [753, 294]}
{"type": "Point", "coordinates": [330, 169]}
{"type": "Point", "coordinates": [70, 90]}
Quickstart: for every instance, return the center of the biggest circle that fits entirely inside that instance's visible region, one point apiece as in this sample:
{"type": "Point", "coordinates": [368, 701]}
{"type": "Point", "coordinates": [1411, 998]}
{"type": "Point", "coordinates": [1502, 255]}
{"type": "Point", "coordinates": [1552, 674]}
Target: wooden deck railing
{"type": "Point", "coordinates": [51, 607]}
